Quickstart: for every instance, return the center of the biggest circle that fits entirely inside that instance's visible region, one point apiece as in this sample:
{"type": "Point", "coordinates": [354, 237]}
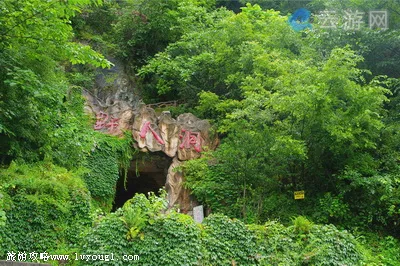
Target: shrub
{"type": "Point", "coordinates": [332, 209]}
{"type": "Point", "coordinates": [173, 239]}
{"type": "Point", "coordinates": [276, 244]}
{"type": "Point", "coordinates": [379, 250]}
{"type": "Point", "coordinates": [376, 200]}
{"type": "Point", "coordinates": [304, 243]}
{"type": "Point", "coordinates": [326, 245]}
{"type": "Point", "coordinates": [109, 159]}
{"type": "Point", "coordinates": [302, 225]}
{"type": "Point", "coordinates": [45, 206]}
{"type": "Point", "coordinates": [227, 241]}
{"type": "Point", "coordinates": [107, 236]}
{"type": "Point", "coordinates": [140, 228]}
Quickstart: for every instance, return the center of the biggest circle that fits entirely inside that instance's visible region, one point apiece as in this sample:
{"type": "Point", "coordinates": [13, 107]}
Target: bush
{"type": "Point", "coordinates": [45, 207]}
{"type": "Point", "coordinates": [326, 245]}
{"type": "Point", "coordinates": [276, 244]}
{"type": "Point", "coordinates": [107, 236]}
{"type": "Point", "coordinates": [109, 159]}
{"type": "Point", "coordinates": [332, 209]}
{"type": "Point", "coordinates": [173, 239]}
{"type": "Point", "coordinates": [304, 243]}
{"type": "Point", "coordinates": [141, 228]}
{"type": "Point", "coordinates": [375, 199]}
{"type": "Point", "coordinates": [228, 241]}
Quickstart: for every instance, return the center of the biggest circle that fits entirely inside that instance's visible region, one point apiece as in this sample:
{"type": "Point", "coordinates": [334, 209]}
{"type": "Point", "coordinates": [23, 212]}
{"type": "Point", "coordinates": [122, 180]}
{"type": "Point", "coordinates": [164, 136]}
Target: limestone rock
{"type": "Point", "coordinates": [116, 105]}
{"type": "Point", "coordinates": [194, 136]}
{"type": "Point", "coordinates": [177, 194]}
{"type": "Point", "coordinates": [145, 130]}
{"type": "Point", "coordinates": [186, 137]}
{"type": "Point", "coordinates": [126, 119]}
{"type": "Point", "coordinates": [170, 133]}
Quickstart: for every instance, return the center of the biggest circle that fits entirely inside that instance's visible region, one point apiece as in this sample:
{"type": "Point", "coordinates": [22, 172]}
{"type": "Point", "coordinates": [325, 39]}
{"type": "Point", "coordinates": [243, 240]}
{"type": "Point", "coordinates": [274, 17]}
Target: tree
{"type": "Point", "coordinates": [219, 57]}
{"type": "Point", "coordinates": [145, 28]}
{"type": "Point", "coordinates": [40, 114]}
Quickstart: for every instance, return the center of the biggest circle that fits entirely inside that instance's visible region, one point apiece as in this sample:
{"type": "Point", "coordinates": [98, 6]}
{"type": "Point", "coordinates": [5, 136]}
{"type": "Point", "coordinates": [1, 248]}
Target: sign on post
{"type": "Point", "coordinates": [299, 194]}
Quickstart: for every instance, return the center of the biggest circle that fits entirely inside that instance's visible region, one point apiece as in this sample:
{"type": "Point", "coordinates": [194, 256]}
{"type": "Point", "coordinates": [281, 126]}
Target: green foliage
{"type": "Point", "coordinates": [27, 25]}
{"type": "Point", "coordinates": [46, 206]}
{"type": "Point", "coordinates": [210, 187]}
{"type": "Point", "coordinates": [332, 209]}
{"type": "Point", "coordinates": [376, 199]}
{"type": "Point", "coordinates": [326, 245]}
{"type": "Point", "coordinates": [3, 217]}
{"type": "Point", "coordinates": [165, 239]}
{"type": "Point", "coordinates": [117, 232]}
{"type": "Point", "coordinates": [102, 177]}
{"type": "Point", "coordinates": [109, 159]}
{"type": "Point", "coordinates": [306, 244]}
{"type": "Point", "coordinates": [384, 250]}
{"type": "Point", "coordinates": [305, 123]}
{"type": "Point", "coordinates": [144, 28]}
{"type": "Point", "coordinates": [40, 114]}
{"type": "Point", "coordinates": [139, 210]}
{"type": "Point", "coordinates": [242, 177]}
{"type": "Point", "coordinates": [302, 225]}
{"type": "Point", "coordinates": [107, 236]}
{"type": "Point", "coordinates": [171, 239]}
{"type": "Point", "coordinates": [227, 241]}
{"type": "Point", "coordinates": [70, 138]}
{"type": "Point", "coordinates": [295, 112]}
{"type": "Point", "coordinates": [276, 244]}
{"type": "Point", "coordinates": [308, 116]}
{"type": "Point", "coordinates": [175, 239]}
{"type": "Point", "coordinates": [230, 43]}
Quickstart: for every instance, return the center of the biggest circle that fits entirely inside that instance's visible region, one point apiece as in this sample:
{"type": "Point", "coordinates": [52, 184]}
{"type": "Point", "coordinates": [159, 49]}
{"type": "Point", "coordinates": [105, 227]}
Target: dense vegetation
{"type": "Point", "coordinates": [316, 110]}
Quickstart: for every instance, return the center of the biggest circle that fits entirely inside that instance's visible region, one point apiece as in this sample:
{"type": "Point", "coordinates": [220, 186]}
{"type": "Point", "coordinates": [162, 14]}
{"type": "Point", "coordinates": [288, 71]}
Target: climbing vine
{"type": "Point", "coordinates": [45, 206]}
{"type": "Point", "coordinates": [175, 239]}
{"type": "Point", "coordinates": [109, 159]}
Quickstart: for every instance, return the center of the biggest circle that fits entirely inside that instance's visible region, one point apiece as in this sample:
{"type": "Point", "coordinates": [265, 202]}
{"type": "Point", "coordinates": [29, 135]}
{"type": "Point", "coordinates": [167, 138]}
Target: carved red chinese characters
{"type": "Point", "coordinates": [191, 139]}
{"type": "Point", "coordinates": [102, 121]}
{"type": "Point", "coordinates": [145, 128]}
{"type": "Point", "coordinates": [113, 124]}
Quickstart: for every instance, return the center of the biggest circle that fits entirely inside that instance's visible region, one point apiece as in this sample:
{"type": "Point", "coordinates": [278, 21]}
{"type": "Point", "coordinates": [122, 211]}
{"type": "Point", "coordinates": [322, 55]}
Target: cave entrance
{"type": "Point", "coordinates": [147, 173]}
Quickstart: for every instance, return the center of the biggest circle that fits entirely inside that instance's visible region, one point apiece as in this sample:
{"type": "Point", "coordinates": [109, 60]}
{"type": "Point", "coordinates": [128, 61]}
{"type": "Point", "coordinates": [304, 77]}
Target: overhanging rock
{"type": "Point", "coordinates": [183, 138]}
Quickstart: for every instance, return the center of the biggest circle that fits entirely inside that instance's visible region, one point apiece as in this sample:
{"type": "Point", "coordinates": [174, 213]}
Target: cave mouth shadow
{"type": "Point", "coordinates": [143, 176]}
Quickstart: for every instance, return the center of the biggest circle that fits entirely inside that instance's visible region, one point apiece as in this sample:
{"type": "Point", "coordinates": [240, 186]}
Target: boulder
{"type": "Point", "coordinates": [194, 136]}
{"type": "Point", "coordinates": [170, 133]}
{"type": "Point", "coordinates": [177, 194]}
{"type": "Point", "coordinates": [145, 130]}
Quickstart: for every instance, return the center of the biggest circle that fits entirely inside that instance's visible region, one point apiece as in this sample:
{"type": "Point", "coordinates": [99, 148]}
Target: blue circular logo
{"type": "Point", "coordinates": [299, 19]}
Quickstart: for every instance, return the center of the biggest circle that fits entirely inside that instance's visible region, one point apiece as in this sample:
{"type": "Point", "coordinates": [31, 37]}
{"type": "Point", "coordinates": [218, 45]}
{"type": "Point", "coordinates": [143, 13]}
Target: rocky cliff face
{"type": "Point", "coordinates": [182, 139]}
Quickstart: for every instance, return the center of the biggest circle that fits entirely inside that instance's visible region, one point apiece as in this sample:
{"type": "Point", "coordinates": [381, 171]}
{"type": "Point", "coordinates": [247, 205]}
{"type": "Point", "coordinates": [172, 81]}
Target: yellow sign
{"type": "Point", "coordinates": [299, 194]}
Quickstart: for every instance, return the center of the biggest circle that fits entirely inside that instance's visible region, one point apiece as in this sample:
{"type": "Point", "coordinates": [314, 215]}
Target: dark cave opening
{"type": "Point", "coordinates": [145, 175]}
